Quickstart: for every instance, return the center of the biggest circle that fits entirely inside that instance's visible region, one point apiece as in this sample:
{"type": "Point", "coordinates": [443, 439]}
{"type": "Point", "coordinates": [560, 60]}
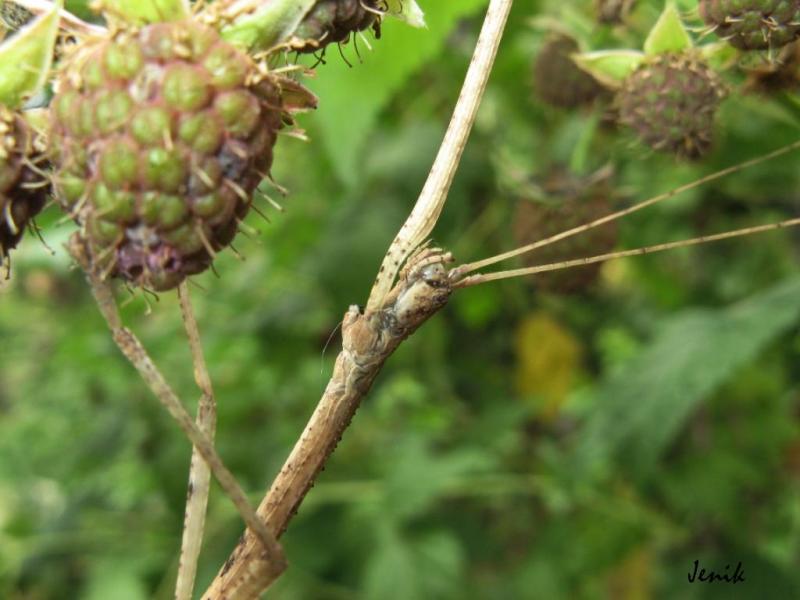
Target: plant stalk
{"type": "Point", "coordinates": [199, 472]}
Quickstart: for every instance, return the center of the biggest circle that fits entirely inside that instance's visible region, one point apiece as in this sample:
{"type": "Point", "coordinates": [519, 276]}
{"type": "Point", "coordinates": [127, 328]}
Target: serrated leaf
{"type": "Point", "coordinates": [407, 11]}
{"type": "Point", "coordinates": [269, 25]}
{"type": "Point", "coordinates": [371, 85]}
{"type": "Point", "coordinates": [641, 408]}
{"type": "Point", "coordinates": [146, 11]}
{"type": "Point", "coordinates": [668, 34]}
{"type": "Point", "coordinates": [25, 59]}
{"type": "Point", "coordinates": [609, 67]}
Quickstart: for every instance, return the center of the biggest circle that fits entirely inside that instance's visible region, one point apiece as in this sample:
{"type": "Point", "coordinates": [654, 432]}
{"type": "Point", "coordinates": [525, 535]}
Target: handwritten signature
{"type": "Point", "coordinates": [700, 574]}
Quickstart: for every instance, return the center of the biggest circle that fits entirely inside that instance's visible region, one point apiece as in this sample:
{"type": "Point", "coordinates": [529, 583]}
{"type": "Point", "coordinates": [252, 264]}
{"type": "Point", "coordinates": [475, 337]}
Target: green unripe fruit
{"type": "Point", "coordinates": [186, 88]}
{"type": "Point", "coordinates": [160, 137]}
{"type": "Point", "coordinates": [670, 102]}
{"type": "Point", "coordinates": [23, 191]}
{"type": "Point", "coordinates": [753, 24]}
{"type": "Point", "coordinates": [123, 62]}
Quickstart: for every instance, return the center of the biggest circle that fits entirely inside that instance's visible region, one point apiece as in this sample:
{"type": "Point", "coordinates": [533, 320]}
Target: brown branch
{"type": "Point", "coordinates": [393, 313]}
{"type": "Point", "coordinates": [199, 473]}
{"type": "Point", "coordinates": [368, 339]}
{"type": "Point", "coordinates": [268, 548]}
{"type": "Point", "coordinates": [431, 200]}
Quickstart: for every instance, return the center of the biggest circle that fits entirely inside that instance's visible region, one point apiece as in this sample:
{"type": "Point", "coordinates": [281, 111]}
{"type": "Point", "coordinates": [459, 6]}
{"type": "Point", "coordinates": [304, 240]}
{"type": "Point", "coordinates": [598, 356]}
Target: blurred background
{"type": "Point", "coordinates": [583, 435]}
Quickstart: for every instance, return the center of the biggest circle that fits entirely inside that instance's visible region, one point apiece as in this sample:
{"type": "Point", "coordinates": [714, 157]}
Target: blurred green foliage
{"type": "Point", "coordinates": [522, 445]}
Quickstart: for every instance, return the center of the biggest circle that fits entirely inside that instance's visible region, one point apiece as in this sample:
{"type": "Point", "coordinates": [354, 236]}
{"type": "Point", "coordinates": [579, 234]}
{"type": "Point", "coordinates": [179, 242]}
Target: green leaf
{"type": "Point", "coordinates": [25, 59]}
{"type": "Point", "coordinates": [146, 11]}
{"type": "Point", "coordinates": [111, 580]}
{"type": "Point", "coordinates": [668, 34]}
{"type": "Point", "coordinates": [269, 25]}
{"type": "Point", "coordinates": [420, 477]}
{"type": "Point", "coordinates": [641, 408]}
{"type": "Point", "coordinates": [402, 567]}
{"type": "Point", "coordinates": [407, 11]}
{"type": "Point", "coordinates": [720, 55]}
{"type": "Point", "coordinates": [80, 8]}
{"type": "Point", "coordinates": [609, 67]}
{"type": "Point", "coordinates": [391, 572]}
{"type": "Point", "coordinates": [440, 559]}
{"type": "Point", "coordinates": [369, 86]}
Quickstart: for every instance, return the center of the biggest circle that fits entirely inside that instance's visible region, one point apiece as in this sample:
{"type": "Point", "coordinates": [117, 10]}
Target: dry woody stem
{"type": "Point", "coordinates": [128, 343]}
{"type": "Point", "coordinates": [368, 339]}
{"type": "Point", "coordinates": [199, 472]}
{"type": "Point", "coordinates": [393, 313]}
{"type": "Point", "coordinates": [431, 201]}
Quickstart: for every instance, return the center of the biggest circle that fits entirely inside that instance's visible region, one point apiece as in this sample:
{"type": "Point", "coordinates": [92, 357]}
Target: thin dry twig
{"type": "Point", "coordinates": [394, 312]}
{"type": "Point", "coordinates": [199, 473]}
{"type": "Point", "coordinates": [269, 549]}
{"type": "Point", "coordinates": [431, 201]}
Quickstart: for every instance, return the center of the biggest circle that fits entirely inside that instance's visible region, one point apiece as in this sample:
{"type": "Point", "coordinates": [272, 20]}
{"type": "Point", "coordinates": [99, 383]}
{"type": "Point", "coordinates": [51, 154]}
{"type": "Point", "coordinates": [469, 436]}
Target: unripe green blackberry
{"type": "Point", "coordinates": [569, 202]}
{"type": "Point", "coordinates": [23, 191]}
{"type": "Point", "coordinates": [558, 80]}
{"type": "Point", "coordinates": [670, 102]}
{"type": "Point", "coordinates": [753, 24]}
{"type": "Point", "coordinates": [160, 137]}
{"type": "Point", "coordinates": [332, 21]}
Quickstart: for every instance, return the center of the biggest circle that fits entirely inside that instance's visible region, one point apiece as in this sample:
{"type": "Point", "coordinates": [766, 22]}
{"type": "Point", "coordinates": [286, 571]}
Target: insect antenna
{"type": "Point", "coordinates": [477, 279]}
